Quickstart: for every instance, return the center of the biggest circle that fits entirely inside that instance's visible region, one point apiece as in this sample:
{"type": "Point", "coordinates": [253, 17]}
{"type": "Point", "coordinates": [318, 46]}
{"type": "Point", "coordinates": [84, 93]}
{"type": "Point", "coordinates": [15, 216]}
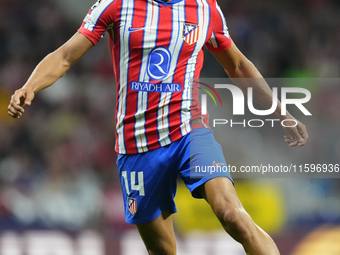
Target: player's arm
{"type": "Point", "coordinates": [48, 71]}
{"type": "Point", "coordinates": [237, 65]}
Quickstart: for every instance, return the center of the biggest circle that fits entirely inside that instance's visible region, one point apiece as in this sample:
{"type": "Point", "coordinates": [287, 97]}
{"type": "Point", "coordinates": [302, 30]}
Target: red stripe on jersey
{"type": "Point", "coordinates": [203, 15]}
{"type": "Point", "coordinates": [180, 72]}
{"type": "Point", "coordinates": [151, 116]}
{"type": "Point", "coordinates": [135, 60]}
{"type": "Point", "coordinates": [115, 45]}
{"type": "Point", "coordinates": [195, 108]}
{"type": "Point", "coordinates": [164, 35]}
{"type": "Point", "coordinates": [163, 39]}
{"type": "Point", "coordinates": [115, 49]}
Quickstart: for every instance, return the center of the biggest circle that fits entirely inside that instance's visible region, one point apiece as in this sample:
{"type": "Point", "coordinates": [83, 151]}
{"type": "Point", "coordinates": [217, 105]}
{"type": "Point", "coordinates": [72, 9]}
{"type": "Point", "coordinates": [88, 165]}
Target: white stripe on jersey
{"type": "Point", "coordinates": [142, 100]}
{"type": "Point", "coordinates": [126, 15]}
{"type": "Point", "coordinates": [163, 106]}
{"type": "Point", "coordinates": [185, 112]}
{"type": "Point", "coordinates": [225, 27]}
{"type": "Point", "coordinates": [178, 13]}
{"type": "Point", "coordinates": [175, 46]}
{"type": "Point", "coordinates": [149, 42]}
{"type": "Point", "coordinates": [191, 64]}
{"type": "Point", "coordinates": [162, 119]}
{"type": "Point", "coordinates": [92, 18]}
{"type": "Point", "coordinates": [206, 23]}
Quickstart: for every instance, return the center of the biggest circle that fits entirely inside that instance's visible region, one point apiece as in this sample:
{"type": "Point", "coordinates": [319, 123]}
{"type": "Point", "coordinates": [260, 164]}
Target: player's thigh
{"type": "Point", "coordinates": [207, 161]}
{"type": "Point", "coordinates": [221, 195]}
{"type": "Point", "coordinates": [158, 235]}
{"type": "Point", "coordinates": [219, 188]}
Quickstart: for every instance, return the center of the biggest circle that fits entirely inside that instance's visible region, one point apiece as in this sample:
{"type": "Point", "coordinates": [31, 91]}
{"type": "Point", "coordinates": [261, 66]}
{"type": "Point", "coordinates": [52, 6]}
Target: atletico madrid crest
{"type": "Point", "coordinates": [132, 205]}
{"type": "Point", "coordinates": [190, 33]}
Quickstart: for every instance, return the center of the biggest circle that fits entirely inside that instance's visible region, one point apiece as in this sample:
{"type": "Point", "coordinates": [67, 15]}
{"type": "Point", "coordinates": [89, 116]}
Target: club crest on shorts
{"type": "Point", "coordinates": [132, 205]}
{"type": "Point", "coordinates": [190, 33]}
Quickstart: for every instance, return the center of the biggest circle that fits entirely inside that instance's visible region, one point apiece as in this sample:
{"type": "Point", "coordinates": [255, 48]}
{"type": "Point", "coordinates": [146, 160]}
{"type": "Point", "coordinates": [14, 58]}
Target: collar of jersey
{"type": "Point", "coordinates": [172, 2]}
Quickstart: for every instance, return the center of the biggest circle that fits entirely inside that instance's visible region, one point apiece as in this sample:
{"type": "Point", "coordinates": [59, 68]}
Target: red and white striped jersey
{"type": "Point", "coordinates": [157, 51]}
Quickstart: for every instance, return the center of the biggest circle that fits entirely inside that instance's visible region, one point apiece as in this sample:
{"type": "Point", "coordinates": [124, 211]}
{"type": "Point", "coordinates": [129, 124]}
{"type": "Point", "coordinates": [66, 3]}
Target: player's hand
{"type": "Point", "coordinates": [19, 99]}
{"type": "Point", "coordinates": [297, 136]}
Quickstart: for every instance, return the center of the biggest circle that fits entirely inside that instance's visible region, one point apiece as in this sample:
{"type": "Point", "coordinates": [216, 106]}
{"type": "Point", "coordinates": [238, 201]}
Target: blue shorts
{"type": "Point", "coordinates": [149, 180]}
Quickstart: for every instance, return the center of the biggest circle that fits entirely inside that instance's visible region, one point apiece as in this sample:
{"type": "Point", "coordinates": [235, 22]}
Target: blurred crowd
{"type": "Point", "coordinates": [58, 164]}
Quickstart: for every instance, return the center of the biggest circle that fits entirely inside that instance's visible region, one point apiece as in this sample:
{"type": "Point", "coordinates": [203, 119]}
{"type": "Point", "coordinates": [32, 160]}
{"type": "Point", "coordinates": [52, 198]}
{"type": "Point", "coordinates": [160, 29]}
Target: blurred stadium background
{"type": "Point", "coordinates": [59, 188]}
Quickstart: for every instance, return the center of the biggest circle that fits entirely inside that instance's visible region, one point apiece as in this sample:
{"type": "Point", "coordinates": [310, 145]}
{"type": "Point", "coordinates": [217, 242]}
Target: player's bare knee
{"type": "Point", "coordinates": [236, 222]}
{"type": "Point", "coordinates": [161, 251]}
{"type": "Point", "coordinates": [162, 248]}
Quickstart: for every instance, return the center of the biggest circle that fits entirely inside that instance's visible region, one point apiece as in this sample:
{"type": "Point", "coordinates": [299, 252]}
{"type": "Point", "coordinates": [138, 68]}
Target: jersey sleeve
{"type": "Point", "coordinates": [99, 17]}
{"type": "Point", "coordinates": [220, 39]}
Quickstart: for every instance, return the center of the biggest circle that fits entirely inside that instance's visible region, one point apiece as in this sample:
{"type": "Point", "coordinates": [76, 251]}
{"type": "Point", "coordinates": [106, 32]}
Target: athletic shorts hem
{"type": "Point", "coordinates": [146, 220]}
{"type": "Point", "coordinates": [196, 194]}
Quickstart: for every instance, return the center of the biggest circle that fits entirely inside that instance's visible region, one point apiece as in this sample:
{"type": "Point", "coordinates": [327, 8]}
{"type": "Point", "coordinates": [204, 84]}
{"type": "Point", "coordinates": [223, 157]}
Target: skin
{"type": "Point", "coordinates": [237, 66]}
{"type": "Point", "coordinates": [158, 235]}
{"type": "Point", "coordinates": [48, 71]}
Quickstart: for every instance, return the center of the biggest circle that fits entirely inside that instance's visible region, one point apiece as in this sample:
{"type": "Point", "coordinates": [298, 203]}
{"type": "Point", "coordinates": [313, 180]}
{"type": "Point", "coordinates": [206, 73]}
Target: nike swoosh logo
{"type": "Point", "coordinates": [135, 29]}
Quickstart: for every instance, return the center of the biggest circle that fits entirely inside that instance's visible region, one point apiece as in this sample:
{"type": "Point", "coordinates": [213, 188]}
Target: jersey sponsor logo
{"type": "Point", "coordinates": [158, 65]}
{"type": "Point", "coordinates": [190, 33]}
{"type": "Point", "coordinates": [155, 87]}
{"type": "Point", "coordinates": [88, 19]}
{"type": "Point", "coordinates": [132, 205]}
{"type": "Point", "coordinates": [130, 29]}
